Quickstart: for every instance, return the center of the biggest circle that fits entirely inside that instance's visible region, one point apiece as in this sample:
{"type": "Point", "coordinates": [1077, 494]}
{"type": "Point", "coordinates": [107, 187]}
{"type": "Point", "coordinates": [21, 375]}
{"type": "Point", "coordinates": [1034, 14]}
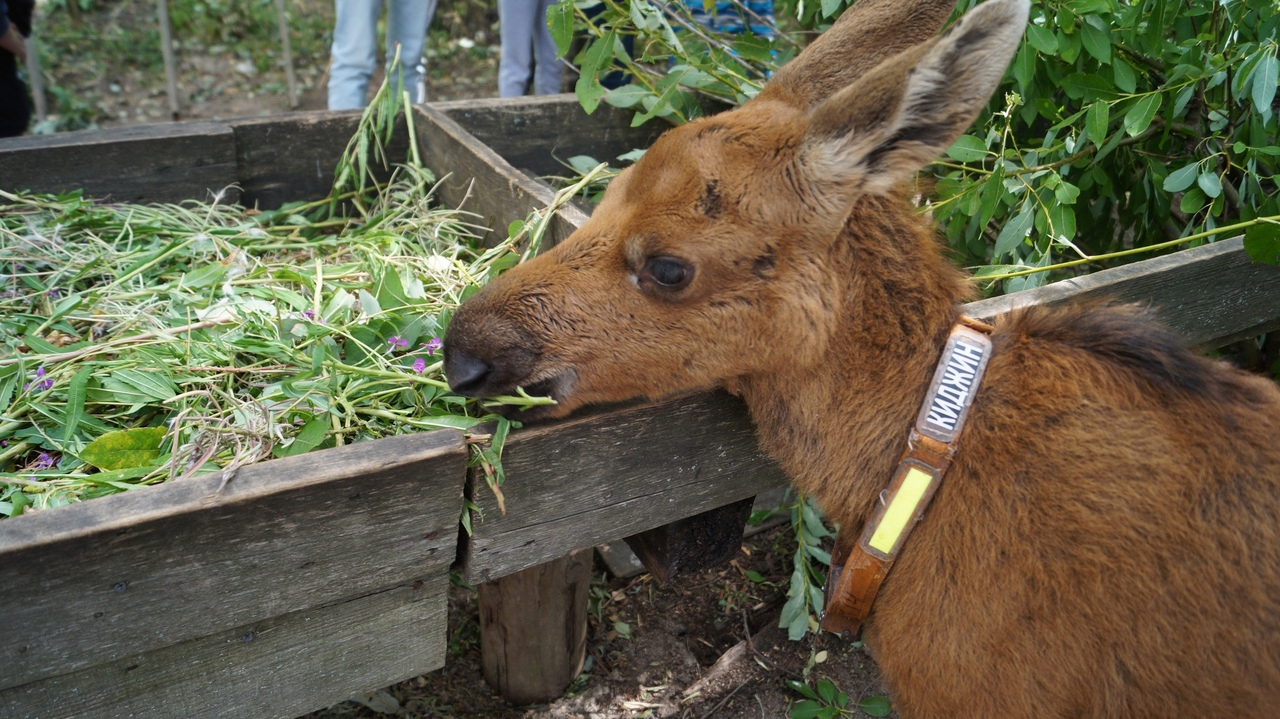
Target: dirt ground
{"type": "Point", "coordinates": [232, 90]}
{"type": "Point", "coordinates": [706, 645]}
{"type": "Point", "coordinates": [103, 68]}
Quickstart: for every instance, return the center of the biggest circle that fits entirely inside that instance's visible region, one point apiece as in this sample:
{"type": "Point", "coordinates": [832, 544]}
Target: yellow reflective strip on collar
{"type": "Point", "coordinates": [901, 510]}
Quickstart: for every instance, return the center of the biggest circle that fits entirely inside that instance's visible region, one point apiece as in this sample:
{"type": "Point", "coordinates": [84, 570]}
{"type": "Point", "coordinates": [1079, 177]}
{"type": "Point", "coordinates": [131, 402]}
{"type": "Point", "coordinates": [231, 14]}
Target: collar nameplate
{"type": "Point", "coordinates": [946, 407]}
{"type": "Point", "coordinates": [859, 568]}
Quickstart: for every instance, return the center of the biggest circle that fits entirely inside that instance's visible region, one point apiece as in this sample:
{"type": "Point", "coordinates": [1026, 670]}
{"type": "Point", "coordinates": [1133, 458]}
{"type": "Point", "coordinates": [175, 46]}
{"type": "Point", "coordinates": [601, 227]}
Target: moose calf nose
{"type": "Point", "coordinates": [466, 374]}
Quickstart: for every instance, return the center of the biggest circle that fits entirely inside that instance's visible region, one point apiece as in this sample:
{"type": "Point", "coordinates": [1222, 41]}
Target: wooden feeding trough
{"type": "Point", "coordinates": [310, 579]}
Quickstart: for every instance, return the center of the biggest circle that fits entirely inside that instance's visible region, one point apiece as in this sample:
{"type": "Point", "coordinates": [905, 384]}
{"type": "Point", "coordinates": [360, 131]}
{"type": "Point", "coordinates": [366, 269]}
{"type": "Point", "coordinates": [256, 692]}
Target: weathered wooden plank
{"type": "Point", "coordinates": [540, 134]}
{"type": "Point", "coordinates": [591, 480]}
{"type": "Point", "coordinates": [1212, 295]}
{"type": "Point", "coordinates": [129, 573]}
{"type": "Point", "coordinates": [292, 157]}
{"type": "Point", "coordinates": [482, 182]}
{"type": "Point", "coordinates": [145, 163]}
{"type": "Point", "coordinates": [277, 667]}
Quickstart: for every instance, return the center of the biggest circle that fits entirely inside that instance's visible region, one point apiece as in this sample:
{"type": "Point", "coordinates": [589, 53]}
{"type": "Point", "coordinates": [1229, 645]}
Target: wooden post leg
{"type": "Point", "coordinates": [533, 629]}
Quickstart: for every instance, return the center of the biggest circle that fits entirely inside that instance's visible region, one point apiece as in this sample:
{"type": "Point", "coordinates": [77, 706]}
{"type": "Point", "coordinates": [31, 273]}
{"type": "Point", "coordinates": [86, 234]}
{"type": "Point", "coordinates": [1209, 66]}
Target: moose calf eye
{"type": "Point", "coordinates": [668, 272]}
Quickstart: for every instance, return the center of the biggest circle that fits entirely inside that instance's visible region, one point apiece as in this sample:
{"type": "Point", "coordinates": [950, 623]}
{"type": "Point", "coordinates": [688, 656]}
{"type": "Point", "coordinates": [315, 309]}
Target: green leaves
{"type": "Point", "coordinates": [1207, 186]}
{"type": "Point", "coordinates": [1042, 39]}
{"type": "Point", "coordinates": [1014, 231]}
{"type": "Point", "coordinates": [1210, 183]}
{"type": "Point", "coordinates": [1096, 36]}
{"type": "Point", "coordinates": [967, 148]}
{"type": "Point", "coordinates": [1096, 121]}
{"type": "Point", "coordinates": [876, 706]}
{"type": "Point", "coordinates": [308, 438]}
{"type": "Point", "coordinates": [1262, 242]}
{"type": "Point", "coordinates": [824, 700]}
{"type": "Point", "coordinates": [125, 449]}
{"type": "Point", "coordinates": [560, 23]}
{"type": "Point", "coordinates": [1124, 77]}
{"type": "Point", "coordinates": [804, 595]}
{"type": "Point", "coordinates": [1182, 178]}
{"type": "Point", "coordinates": [588, 87]}
{"type": "Point", "coordinates": [1139, 116]}
{"type": "Point", "coordinates": [76, 393]}
{"type": "Point", "coordinates": [1265, 78]}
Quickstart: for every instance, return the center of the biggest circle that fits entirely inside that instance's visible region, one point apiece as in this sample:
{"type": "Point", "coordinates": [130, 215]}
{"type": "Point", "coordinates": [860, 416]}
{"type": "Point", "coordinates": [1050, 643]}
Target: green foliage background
{"type": "Point", "coordinates": [1121, 128]}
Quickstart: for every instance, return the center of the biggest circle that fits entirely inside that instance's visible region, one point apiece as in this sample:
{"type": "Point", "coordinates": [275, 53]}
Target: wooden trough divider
{"type": "Point", "coordinates": [499, 143]}
{"type": "Point", "coordinates": [261, 161]}
{"type": "Point", "coordinates": [301, 582]}
{"type": "Point", "coordinates": [149, 163]}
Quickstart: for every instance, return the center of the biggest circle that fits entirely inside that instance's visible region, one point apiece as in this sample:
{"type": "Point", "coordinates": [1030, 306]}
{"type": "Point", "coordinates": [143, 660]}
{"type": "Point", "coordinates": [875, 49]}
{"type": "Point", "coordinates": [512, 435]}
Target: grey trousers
{"type": "Point", "coordinates": [528, 52]}
{"type": "Point", "coordinates": [355, 50]}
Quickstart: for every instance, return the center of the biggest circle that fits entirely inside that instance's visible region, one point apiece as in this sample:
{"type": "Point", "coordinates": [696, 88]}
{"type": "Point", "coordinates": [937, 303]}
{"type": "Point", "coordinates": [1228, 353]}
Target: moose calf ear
{"type": "Point", "coordinates": [909, 109]}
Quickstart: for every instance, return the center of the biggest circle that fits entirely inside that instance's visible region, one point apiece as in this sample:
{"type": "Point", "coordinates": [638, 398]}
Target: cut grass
{"type": "Point", "coordinates": [144, 343]}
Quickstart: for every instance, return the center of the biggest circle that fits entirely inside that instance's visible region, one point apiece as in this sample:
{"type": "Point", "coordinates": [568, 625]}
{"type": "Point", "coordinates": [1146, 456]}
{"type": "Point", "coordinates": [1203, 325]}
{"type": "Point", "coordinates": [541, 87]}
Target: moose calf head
{"type": "Point", "coordinates": [710, 258]}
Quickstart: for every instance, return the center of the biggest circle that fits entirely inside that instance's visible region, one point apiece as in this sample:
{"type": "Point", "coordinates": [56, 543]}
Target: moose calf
{"type": "Point", "coordinates": [1106, 542]}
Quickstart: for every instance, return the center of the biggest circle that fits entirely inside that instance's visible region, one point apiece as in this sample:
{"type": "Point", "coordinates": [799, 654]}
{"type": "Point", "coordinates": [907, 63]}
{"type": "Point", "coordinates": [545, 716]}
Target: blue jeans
{"type": "Point", "coordinates": [528, 52]}
{"type": "Point", "coordinates": [354, 51]}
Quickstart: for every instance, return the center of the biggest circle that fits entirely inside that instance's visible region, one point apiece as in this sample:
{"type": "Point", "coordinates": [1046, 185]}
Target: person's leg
{"type": "Point", "coordinates": [407, 23]}
{"type": "Point", "coordinates": [354, 52]}
{"type": "Point", "coordinates": [547, 71]}
{"type": "Point", "coordinates": [515, 23]}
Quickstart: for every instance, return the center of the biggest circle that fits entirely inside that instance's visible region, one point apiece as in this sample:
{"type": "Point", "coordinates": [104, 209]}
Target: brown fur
{"type": "Point", "coordinates": [1107, 542]}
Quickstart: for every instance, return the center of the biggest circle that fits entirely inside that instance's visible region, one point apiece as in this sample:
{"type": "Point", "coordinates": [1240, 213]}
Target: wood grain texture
{"type": "Point", "coordinates": [533, 628]}
{"type": "Point", "coordinates": [292, 157]}
{"type": "Point", "coordinates": [541, 133]}
{"type": "Point", "coordinates": [585, 481]}
{"type": "Point", "coordinates": [145, 163]}
{"type": "Point", "coordinates": [1213, 295]}
{"type": "Point", "coordinates": [482, 182]}
{"type": "Point", "coordinates": [122, 575]}
{"type": "Point", "coordinates": [278, 667]}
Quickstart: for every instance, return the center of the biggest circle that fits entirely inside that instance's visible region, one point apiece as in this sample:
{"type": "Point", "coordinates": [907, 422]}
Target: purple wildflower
{"type": "Point", "coordinates": [398, 342]}
{"type": "Point", "coordinates": [309, 314]}
{"type": "Point", "coordinates": [419, 365]}
{"type": "Point", "coordinates": [43, 461]}
{"type": "Point", "coordinates": [54, 294]}
{"type": "Point", "coordinates": [433, 345]}
{"type": "Point", "coordinates": [39, 381]}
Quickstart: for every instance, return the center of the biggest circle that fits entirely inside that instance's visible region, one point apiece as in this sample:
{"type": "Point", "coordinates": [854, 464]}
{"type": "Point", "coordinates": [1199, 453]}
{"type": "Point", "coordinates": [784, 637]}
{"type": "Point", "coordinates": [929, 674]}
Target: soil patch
{"type": "Point", "coordinates": [707, 645]}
